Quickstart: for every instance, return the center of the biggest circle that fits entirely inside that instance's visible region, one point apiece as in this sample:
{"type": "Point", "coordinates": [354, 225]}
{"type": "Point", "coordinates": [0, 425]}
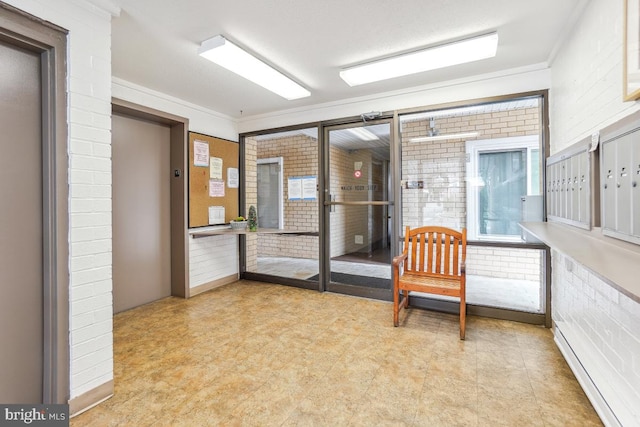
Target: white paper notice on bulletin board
{"type": "Point", "coordinates": [233, 178]}
{"type": "Point", "coordinates": [216, 188]}
{"type": "Point", "coordinates": [216, 215]}
{"type": "Point", "coordinates": [200, 153]}
{"type": "Point", "coordinates": [215, 168]}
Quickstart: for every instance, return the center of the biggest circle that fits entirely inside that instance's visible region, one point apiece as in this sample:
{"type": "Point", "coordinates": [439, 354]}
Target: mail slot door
{"type": "Point", "coordinates": [574, 199]}
{"type": "Point", "coordinates": [623, 184]}
{"type": "Point", "coordinates": [635, 186]}
{"type": "Point", "coordinates": [583, 188]}
{"type": "Point", "coordinates": [608, 196]}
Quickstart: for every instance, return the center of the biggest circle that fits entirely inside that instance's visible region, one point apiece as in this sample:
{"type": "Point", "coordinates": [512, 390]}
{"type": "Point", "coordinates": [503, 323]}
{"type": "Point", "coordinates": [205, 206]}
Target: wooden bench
{"type": "Point", "coordinates": [432, 261]}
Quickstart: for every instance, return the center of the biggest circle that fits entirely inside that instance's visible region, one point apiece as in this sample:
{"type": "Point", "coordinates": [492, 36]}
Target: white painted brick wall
{"type": "Point", "coordinates": [601, 325]}
{"type": "Point", "coordinates": [505, 263]}
{"type": "Point", "coordinates": [212, 258]}
{"type": "Point", "coordinates": [586, 91]}
{"type": "Point", "coordinates": [89, 96]}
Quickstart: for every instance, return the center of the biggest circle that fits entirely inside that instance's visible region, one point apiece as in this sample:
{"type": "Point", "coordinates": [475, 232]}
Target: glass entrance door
{"type": "Point", "coordinates": [358, 209]}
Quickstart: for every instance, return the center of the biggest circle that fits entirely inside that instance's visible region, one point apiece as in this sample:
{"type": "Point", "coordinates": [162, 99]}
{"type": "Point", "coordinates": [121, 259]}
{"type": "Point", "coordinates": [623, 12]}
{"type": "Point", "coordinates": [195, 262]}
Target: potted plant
{"type": "Point", "coordinates": [239, 223]}
{"type": "Point", "coordinates": [253, 219]}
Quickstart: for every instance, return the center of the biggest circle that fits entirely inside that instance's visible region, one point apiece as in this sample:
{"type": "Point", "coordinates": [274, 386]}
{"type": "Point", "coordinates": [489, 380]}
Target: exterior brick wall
{"type": "Point", "coordinates": [505, 263]}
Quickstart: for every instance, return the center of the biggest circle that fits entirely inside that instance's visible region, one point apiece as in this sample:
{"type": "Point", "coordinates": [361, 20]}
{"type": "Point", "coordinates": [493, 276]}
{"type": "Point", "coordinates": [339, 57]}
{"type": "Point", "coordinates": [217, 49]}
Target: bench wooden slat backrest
{"type": "Point", "coordinates": [435, 251]}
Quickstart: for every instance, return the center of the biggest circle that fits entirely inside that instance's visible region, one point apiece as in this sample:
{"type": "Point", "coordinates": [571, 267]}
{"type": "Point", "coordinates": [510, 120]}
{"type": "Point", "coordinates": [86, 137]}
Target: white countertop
{"type": "Point", "coordinates": [614, 261]}
{"type": "Point", "coordinates": [227, 230]}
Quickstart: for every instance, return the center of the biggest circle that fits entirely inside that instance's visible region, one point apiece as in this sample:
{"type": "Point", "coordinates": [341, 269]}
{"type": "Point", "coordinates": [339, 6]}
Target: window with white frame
{"type": "Point", "coordinates": [500, 173]}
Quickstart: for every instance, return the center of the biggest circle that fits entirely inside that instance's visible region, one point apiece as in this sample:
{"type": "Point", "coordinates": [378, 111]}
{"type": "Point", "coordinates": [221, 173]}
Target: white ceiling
{"type": "Point", "coordinates": [155, 43]}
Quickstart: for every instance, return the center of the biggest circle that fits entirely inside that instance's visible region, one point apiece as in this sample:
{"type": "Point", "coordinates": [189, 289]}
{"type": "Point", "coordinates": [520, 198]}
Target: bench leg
{"type": "Point", "coordinates": [396, 306]}
{"type": "Point", "coordinates": [463, 316]}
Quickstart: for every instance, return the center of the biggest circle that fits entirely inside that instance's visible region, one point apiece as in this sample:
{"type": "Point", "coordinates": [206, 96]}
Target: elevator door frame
{"type": "Point", "coordinates": [179, 126]}
{"type": "Point", "coordinates": [50, 42]}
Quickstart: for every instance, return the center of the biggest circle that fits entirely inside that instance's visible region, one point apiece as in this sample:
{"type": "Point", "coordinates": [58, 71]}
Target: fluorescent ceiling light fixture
{"type": "Point", "coordinates": [469, 50]}
{"type": "Point", "coordinates": [443, 137]}
{"type": "Point", "coordinates": [228, 55]}
{"type": "Point", "coordinates": [363, 134]}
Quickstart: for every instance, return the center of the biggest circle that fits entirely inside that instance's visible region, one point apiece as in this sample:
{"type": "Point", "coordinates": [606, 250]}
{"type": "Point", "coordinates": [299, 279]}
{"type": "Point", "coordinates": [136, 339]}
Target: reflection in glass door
{"type": "Point", "coordinates": [357, 210]}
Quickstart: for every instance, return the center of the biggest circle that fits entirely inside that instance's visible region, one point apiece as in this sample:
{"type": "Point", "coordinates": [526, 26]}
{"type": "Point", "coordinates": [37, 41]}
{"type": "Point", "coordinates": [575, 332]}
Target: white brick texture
{"type": "Point", "coordinates": [586, 91]}
{"type": "Point", "coordinates": [601, 326]}
{"type": "Point", "coordinates": [212, 258]}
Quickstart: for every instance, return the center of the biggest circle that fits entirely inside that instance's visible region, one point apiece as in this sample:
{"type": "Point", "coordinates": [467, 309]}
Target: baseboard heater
{"type": "Point", "coordinates": [599, 403]}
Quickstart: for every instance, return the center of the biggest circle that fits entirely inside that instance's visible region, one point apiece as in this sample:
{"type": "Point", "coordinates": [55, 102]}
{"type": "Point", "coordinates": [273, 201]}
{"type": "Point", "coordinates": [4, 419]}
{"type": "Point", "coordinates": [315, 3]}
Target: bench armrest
{"type": "Point", "coordinates": [397, 260]}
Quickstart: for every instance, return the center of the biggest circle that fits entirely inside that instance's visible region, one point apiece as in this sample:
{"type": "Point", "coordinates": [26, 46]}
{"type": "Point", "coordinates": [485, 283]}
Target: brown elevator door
{"type": "Point", "coordinates": [21, 227]}
{"type": "Point", "coordinates": [141, 212]}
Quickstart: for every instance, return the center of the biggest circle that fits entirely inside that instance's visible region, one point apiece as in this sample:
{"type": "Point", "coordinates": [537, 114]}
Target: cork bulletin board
{"type": "Point", "coordinates": [213, 180]}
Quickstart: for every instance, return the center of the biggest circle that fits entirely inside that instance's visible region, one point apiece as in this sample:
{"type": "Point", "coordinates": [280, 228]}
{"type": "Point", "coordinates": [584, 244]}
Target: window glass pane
{"type": "Point", "coordinates": [504, 175]}
{"type": "Point", "coordinates": [535, 172]}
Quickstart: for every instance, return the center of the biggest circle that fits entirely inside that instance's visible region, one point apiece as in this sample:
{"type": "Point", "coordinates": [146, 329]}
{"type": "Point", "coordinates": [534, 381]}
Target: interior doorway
{"type": "Point", "coordinates": [34, 274]}
{"type": "Point", "coordinates": [149, 206]}
{"type": "Point", "coordinates": [141, 212]}
{"type": "Point", "coordinates": [358, 209]}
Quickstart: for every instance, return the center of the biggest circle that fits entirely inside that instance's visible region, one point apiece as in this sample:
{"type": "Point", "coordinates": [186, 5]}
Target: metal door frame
{"type": "Point", "coordinates": [325, 202]}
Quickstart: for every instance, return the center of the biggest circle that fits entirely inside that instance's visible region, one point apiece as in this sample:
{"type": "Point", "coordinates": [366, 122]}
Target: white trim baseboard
{"type": "Point", "coordinates": [88, 400]}
{"type": "Point", "coordinates": [212, 285]}
{"type": "Point", "coordinates": [603, 410]}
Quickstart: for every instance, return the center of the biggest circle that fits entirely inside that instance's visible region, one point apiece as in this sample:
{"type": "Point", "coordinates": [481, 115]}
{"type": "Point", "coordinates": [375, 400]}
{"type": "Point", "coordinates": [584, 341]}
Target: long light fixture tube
{"type": "Point", "coordinates": [363, 134]}
{"type": "Point", "coordinates": [446, 55]}
{"type": "Point", "coordinates": [445, 136]}
{"type": "Point", "coordinates": [226, 54]}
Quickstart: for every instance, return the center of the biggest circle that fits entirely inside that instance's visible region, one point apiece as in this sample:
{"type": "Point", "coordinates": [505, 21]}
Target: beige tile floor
{"type": "Point", "coordinates": [257, 354]}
